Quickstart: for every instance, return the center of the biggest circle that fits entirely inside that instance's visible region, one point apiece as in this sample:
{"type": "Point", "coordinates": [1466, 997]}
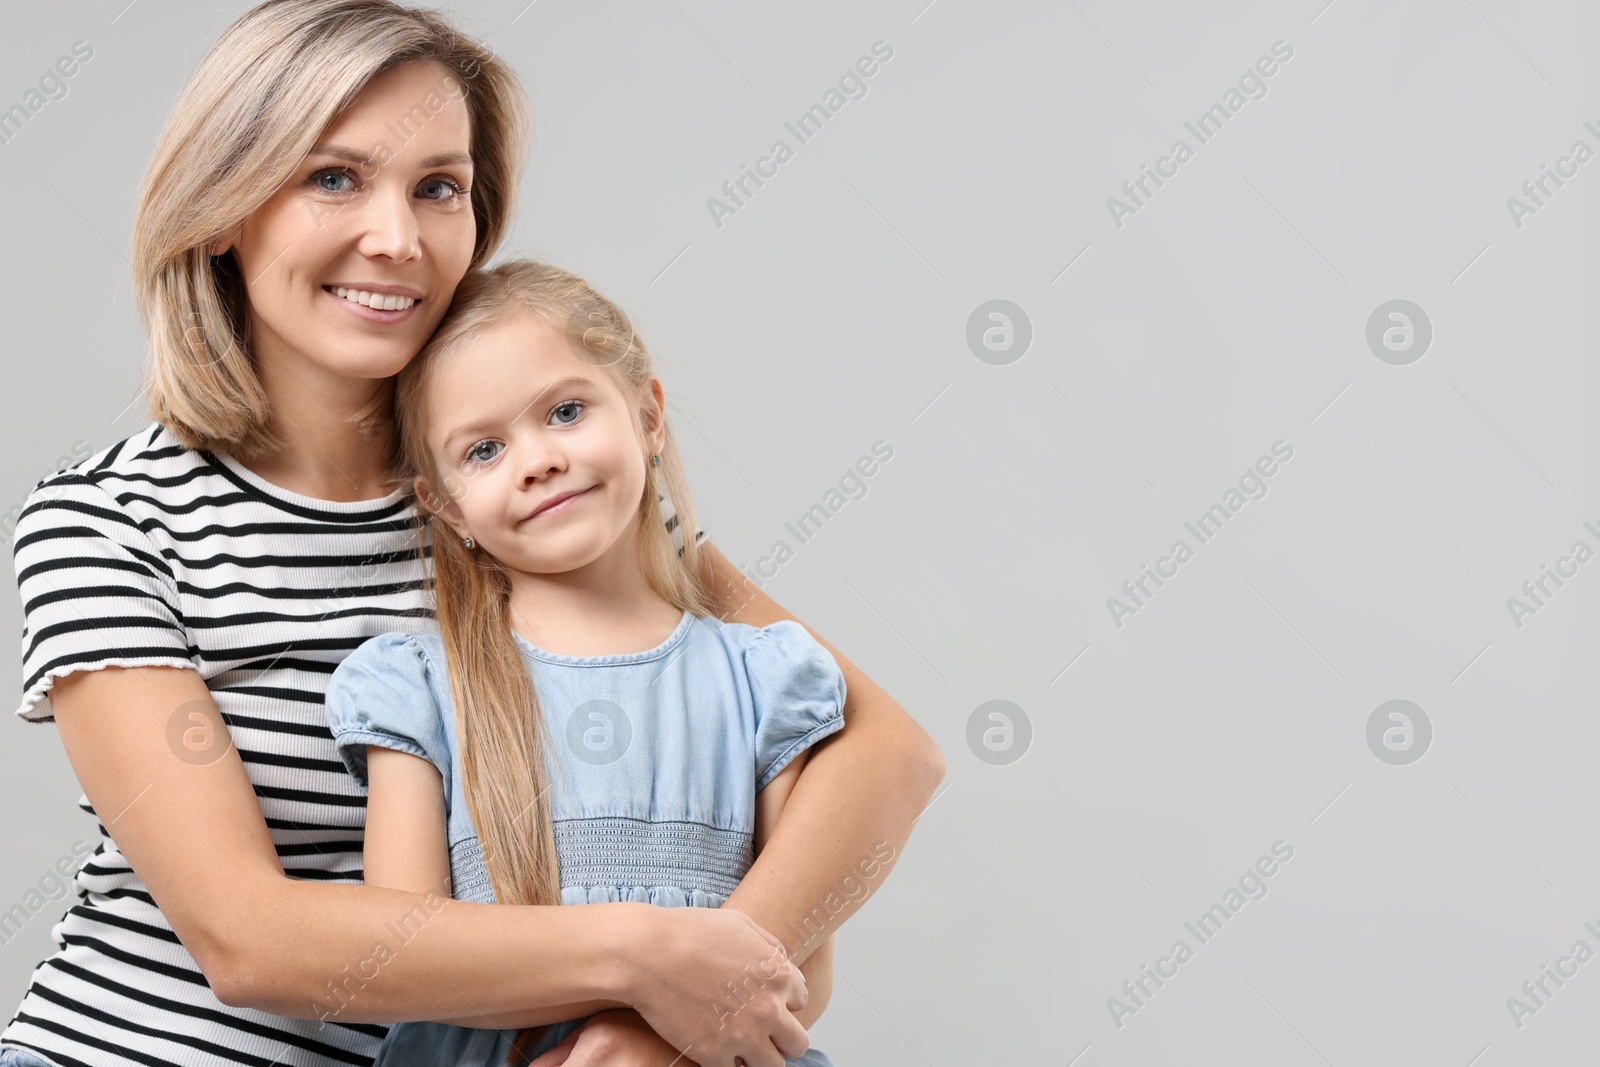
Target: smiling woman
{"type": "Point", "coordinates": [395, 241]}
{"type": "Point", "coordinates": [308, 189]}
{"type": "Point", "coordinates": [220, 564]}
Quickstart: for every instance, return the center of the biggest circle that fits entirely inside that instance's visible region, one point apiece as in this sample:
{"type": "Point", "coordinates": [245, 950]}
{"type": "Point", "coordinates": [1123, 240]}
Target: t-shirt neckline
{"type": "Point", "coordinates": [278, 494]}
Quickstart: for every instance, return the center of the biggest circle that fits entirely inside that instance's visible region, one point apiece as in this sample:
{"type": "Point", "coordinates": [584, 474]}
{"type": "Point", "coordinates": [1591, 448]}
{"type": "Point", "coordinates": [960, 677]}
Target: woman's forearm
{"type": "Point", "coordinates": [358, 953]}
{"type": "Point", "coordinates": [852, 809]}
{"type": "Point", "coordinates": [818, 969]}
{"type": "Point", "coordinates": [843, 828]}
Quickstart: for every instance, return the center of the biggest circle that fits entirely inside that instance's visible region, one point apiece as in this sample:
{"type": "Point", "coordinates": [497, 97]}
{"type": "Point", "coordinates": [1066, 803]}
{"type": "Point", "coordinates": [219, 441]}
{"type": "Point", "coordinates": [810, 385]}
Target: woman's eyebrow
{"type": "Point", "coordinates": [351, 155]}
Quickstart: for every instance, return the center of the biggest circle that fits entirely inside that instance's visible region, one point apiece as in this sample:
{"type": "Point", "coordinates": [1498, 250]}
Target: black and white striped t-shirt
{"type": "Point", "coordinates": [150, 553]}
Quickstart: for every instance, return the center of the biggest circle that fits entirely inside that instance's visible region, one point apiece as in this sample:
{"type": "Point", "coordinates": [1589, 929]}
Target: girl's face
{"type": "Point", "coordinates": [350, 265]}
{"type": "Point", "coordinates": [517, 421]}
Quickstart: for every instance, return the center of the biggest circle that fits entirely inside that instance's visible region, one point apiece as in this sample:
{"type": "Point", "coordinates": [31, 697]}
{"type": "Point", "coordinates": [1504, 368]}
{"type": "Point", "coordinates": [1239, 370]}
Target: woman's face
{"type": "Point", "coordinates": [351, 264]}
{"type": "Point", "coordinates": [515, 420]}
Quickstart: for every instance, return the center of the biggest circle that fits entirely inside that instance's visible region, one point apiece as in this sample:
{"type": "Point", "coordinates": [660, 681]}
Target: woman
{"type": "Point", "coordinates": [332, 170]}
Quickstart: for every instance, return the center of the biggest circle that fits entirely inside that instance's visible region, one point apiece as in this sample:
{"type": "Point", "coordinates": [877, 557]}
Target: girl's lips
{"type": "Point", "coordinates": [556, 509]}
{"type": "Point", "coordinates": [371, 315]}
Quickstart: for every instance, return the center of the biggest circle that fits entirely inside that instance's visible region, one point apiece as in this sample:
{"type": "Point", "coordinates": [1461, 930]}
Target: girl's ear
{"type": "Point", "coordinates": [654, 414]}
{"type": "Point", "coordinates": [439, 505]}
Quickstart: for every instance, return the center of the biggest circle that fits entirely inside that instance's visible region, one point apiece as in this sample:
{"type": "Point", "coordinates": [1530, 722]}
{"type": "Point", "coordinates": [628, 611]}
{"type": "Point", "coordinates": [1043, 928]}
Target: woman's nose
{"type": "Point", "coordinates": [391, 227]}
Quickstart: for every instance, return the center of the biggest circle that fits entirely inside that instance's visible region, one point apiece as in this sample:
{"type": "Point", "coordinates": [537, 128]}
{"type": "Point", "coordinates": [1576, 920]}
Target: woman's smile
{"type": "Point", "coordinates": [383, 304]}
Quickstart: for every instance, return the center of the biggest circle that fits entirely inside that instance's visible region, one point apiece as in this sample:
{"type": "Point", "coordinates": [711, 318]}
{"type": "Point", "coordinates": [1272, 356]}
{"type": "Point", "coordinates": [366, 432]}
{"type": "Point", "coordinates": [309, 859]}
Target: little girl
{"type": "Point", "coordinates": [579, 729]}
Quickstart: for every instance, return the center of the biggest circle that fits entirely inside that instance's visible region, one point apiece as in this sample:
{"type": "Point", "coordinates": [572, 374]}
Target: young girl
{"type": "Point", "coordinates": [580, 729]}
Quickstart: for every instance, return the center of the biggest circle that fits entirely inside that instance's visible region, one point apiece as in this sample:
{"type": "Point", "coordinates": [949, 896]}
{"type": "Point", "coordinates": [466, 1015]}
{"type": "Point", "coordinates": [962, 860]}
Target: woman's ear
{"type": "Point", "coordinates": [441, 506]}
{"type": "Point", "coordinates": [221, 245]}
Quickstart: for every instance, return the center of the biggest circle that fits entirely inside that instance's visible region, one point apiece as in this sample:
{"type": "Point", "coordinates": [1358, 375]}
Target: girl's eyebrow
{"type": "Point", "coordinates": [481, 425]}
{"type": "Point", "coordinates": [350, 155]}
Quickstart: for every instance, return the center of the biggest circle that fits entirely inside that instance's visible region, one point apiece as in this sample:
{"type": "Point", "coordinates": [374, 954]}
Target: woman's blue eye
{"type": "Point", "coordinates": [568, 404]}
{"type": "Point", "coordinates": [328, 180]}
{"type": "Point", "coordinates": [443, 186]}
{"type": "Point", "coordinates": [476, 453]}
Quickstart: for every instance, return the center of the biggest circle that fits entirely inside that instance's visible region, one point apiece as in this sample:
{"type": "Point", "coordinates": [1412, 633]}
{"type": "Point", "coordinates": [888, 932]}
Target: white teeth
{"type": "Point", "coordinates": [376, 301]}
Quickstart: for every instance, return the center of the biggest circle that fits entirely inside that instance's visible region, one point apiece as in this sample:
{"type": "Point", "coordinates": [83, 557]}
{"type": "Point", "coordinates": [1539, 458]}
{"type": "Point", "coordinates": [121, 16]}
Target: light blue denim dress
{"type": "Point", "coordinates": [657, 756]}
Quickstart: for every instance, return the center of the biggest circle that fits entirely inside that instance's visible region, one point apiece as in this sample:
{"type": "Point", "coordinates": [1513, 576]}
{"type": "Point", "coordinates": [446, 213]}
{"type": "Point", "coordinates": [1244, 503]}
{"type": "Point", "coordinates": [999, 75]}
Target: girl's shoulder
{"type": "Point", "coordinates": [796, 689]}
{"type": "Point", "coordinates": [390, 691]}
{"type": "Point", "coordinates": [401, 657]}
{"type": "Point", "coordinates": [780, 660]}
{"type": "Point", "coordinates": [783, 635]}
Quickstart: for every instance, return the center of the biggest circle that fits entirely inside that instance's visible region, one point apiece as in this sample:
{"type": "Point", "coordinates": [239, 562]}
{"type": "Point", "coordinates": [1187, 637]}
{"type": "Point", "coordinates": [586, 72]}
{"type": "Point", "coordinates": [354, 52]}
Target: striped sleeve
{"type": "Point", "coordinates": [670, 514]}
{"type": "Point", "coordinates": [95, 590]}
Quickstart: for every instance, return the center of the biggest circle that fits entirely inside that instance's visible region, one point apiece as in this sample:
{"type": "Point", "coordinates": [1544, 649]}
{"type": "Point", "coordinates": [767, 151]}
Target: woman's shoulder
{"type": "Point", "coordinates": [151, 453]}
{"type": "Point", "coordinates": [101, 497]}
{"type": "Point", "coordinates": [114, 483]}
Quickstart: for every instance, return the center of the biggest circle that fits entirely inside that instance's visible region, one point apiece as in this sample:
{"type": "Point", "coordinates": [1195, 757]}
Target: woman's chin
{"type": "Point", "coordinates": [373, 361]}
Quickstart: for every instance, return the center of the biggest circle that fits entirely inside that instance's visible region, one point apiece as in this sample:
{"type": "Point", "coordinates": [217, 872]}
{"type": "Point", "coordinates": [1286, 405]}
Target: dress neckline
{"type": "Point", "coordinates": [673, 640]}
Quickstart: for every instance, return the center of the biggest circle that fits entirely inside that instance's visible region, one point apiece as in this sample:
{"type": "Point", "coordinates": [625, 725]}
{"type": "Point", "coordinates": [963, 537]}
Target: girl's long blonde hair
{"type": "Point", "coordinates": [254, 106]}
{"type": "Point", "coordinates": [499, 727]}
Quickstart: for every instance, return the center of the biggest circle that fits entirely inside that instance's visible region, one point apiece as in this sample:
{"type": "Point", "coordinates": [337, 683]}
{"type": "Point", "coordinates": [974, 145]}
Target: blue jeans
{"type": "Point", "coordinates": [429, 1044]}
{"type": "Point", "coordinates": [16, 1057]}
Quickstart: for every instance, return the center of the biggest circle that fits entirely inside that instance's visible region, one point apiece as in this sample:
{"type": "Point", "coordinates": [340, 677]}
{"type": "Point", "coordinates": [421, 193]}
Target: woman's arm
{"type": "Point", "coordinates": [195, 834]}
{"type": "Point", "coordinates": [852, 807]}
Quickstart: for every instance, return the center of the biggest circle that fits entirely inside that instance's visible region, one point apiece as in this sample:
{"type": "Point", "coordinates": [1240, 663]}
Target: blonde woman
{"type": "Point", "coordinates": [331, 171]}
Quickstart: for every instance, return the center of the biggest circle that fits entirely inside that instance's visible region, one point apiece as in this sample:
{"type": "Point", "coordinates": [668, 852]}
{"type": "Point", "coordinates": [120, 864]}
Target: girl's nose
{"type": "Point", "coordinates": [541, 458]}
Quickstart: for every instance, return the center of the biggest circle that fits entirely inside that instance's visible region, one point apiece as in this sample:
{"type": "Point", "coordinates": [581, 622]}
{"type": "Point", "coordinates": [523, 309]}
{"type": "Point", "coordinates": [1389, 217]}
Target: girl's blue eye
{"type": "Point", "coordinates": [475, 454]}
{"type": "Point", "coordinates": [568, 404]}
{"type": "Point", "coordinates": [328, 181]}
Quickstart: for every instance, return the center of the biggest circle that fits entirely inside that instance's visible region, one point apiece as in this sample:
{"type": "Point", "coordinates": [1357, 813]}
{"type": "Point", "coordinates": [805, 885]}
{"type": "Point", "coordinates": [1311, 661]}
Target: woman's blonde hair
{"type": "Point", "coordinates": [251, 111]}
{"type": "Point", "coordinates": [501, 732]}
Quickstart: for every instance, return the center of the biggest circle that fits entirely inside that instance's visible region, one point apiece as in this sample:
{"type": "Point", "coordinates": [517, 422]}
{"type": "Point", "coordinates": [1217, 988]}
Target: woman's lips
{"type": "Point", "coordinates": [371, 314]}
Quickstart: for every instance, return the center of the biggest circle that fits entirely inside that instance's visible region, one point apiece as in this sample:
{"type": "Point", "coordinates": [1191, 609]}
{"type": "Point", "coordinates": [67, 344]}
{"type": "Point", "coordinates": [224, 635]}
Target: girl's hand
{"type": "Point", "coordinates": [713, 983]}
{"type": "Point", "coordinates": [616, 1038]}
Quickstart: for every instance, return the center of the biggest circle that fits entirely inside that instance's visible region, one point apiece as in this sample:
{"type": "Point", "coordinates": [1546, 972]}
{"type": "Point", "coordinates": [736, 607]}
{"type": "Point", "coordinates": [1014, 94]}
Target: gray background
{"type": "Point", "coordinates": [1168, 754]}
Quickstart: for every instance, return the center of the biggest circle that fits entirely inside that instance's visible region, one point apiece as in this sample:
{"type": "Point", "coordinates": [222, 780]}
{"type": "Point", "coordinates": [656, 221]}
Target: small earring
{"type": "Point", "coordinates": [655, 461]}
{"type": "Point", "coordinates": [469, 542]}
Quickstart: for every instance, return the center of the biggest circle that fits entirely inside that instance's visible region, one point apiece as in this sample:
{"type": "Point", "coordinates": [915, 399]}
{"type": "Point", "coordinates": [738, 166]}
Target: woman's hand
{"type": "Point", "coordinates": [616, 1038]}
{"type": "Point", "coordinates": [716, 985]}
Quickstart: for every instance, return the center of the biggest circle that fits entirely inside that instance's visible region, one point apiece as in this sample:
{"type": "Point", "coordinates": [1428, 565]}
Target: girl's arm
{"type": "Point", "coordinates": [307, 949]}
{"type": "Point", "coordinates": [407, 846]}
{"type": "Point", "coordinates": [852, 807]}
{"type": "Point", "coordinates": [818, 966]}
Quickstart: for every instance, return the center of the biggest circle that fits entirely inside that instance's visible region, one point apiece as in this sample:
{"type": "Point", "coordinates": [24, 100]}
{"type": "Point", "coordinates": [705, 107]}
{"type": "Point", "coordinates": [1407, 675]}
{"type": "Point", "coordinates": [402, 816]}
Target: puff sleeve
{"type": "Point", "coordinates": [380, 695]}
{"type": "Point", "coordinates": [798, 692]}
{"type": "Point", "coordinates": [96, 590]}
